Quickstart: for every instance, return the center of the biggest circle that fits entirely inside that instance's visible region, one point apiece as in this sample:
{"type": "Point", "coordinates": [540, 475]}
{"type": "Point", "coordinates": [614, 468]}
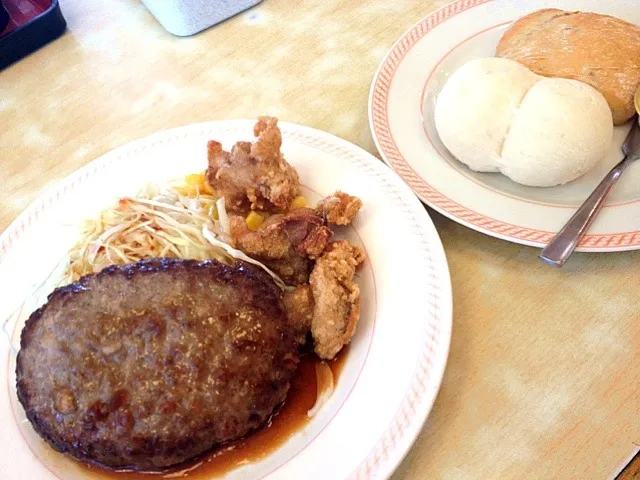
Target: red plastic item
{"type": "Point", "coordinates": [26, 25]}
{"type": "Point", "coordinates": [21, 11]}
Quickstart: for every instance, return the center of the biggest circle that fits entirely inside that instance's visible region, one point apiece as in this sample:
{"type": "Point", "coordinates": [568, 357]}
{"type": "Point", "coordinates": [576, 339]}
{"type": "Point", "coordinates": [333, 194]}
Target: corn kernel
{"type": "Point", "coordinates": [187, 191]}
{"type": "Point", "coordinates": [206, 188]}
{"type": "Point", "coordinates": [254, 221]}
{"type": "Point", "coordinates": [193, 179]}
{"type": "Point", "coordinates": [299, 202]}
{"type": "Point", "coordinates": [194, 184]}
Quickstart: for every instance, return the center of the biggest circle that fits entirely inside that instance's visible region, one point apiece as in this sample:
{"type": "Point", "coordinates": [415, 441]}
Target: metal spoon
{"type": "Point", "coordinates": [565, 242]}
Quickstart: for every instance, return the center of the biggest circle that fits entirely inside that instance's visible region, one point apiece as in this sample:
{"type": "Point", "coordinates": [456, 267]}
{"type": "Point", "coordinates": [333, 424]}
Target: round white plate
{"type": "Point", "coordinates": [404, 91]}
{"type": "Point", "coordinates": [398, 354]}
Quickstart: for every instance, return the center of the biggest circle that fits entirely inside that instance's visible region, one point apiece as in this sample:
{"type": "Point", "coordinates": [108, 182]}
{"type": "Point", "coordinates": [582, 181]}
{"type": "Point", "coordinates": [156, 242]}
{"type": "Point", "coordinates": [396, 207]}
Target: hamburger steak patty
{"type": "Point", "coordinates": [147, 365]}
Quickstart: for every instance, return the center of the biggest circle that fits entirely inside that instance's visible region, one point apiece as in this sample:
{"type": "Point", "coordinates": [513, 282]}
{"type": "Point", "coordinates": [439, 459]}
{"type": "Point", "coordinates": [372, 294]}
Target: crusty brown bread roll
{"type": "Point", "coordinates": [600, 50]}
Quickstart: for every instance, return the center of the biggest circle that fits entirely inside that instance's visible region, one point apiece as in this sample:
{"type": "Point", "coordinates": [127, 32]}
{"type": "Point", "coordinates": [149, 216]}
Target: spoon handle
{"type": "Point", "coordinates": [565, 242]}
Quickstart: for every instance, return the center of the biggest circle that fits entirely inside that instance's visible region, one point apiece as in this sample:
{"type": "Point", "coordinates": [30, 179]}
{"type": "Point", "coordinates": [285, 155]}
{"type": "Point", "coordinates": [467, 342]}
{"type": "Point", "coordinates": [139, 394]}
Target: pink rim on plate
{"type": "Point", "coordinates": [396, 158]}
{"type": "Point", "coordinates": [434, 319]}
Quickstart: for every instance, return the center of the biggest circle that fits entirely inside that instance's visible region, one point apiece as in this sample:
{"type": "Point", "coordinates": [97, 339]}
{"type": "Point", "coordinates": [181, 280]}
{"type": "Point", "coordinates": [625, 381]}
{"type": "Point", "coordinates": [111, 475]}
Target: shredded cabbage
{"type": "Point", "coordinates": [156, 223]}
{"type": "Point", "coordinates": [222, 215]}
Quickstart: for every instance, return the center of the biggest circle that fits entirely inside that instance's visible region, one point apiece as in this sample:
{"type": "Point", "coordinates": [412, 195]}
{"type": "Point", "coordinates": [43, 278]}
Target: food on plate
{"type": "Point", "coordinates": [183, 310]}
{"type": "Point", "coordinates": [329, 306]}
{"type": "Point", "coordinates": [336, 298]}
{"type": "Point", "coordinates": [299, 305]}
{"type": "Point", "coordinates": [560, 132]}
{"type": "Point", "coordinates": [157, 222]}
{"type": "Point", "coordinates": [286, 243]}
{"type": "Point", "coordinates": [475, 106]}
{"type": "Point", "coordinates": [600, 50]}
{"type": "Point", "coordinates": [495, 115]}
{"type": "Point", "coordinates": [339, 208]}
{"type": "Point", "coordinates": [150, 364]}
{"type": "Point", "coordinates": [254, 176]}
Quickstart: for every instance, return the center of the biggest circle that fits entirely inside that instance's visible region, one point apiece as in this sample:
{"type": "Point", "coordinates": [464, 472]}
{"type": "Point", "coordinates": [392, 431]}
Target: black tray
{"type": "Point", "coordinates": [31, 35]}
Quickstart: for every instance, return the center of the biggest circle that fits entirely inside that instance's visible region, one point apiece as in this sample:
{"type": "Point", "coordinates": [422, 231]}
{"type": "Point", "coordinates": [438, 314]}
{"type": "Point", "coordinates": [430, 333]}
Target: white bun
{"type": "Point", "coordinates": [494, 114]}
{"type": "Point", "coordinates": [474, 109]}
{"type": "Point", "coordinates": [562, 129]}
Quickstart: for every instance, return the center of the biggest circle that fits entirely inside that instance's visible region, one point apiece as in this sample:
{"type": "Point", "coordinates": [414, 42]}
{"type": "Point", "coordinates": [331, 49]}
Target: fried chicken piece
{"type": "Point", "coordinates": [339, 208]}
{"type": "Point", "coordinates": [336, 297]}
{"type": "Point", "coordinates": [299, 306]}
{"type": "Point", "coordinates": [286, 243]}
{"type": "Point", "coordinates": [329, 306]}
{"type": "Point", "coordinates": [254, 176]}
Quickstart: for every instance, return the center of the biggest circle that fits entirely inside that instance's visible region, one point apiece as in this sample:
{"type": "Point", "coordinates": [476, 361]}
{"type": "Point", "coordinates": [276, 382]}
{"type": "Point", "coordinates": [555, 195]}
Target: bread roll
{"type": "Point", "coordinates": [474, 109]}
{"type": "Point", "coordinates": [561, 130]}
{"type": "Point", "coordinates": [494, 114]}
{"type": "Point", "coordinates": [600, 50]}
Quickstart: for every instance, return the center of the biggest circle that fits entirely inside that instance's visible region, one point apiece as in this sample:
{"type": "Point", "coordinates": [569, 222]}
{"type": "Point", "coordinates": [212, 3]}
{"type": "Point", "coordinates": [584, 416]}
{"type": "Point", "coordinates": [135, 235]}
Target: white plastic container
{"type": "Point", "coordinates": [187, 17]}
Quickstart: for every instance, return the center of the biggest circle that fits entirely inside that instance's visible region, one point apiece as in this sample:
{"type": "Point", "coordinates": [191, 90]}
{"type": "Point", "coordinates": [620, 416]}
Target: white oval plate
{"type": "Point", "coordinates": [404, 90]}
{"type": "Point", "coordinates": [398, 355]}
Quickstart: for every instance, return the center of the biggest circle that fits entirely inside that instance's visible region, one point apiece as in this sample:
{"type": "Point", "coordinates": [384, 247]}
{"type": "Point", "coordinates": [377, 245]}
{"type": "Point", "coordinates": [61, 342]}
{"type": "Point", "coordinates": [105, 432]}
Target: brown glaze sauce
{"type": "Point", "coordinates": [289, 419]}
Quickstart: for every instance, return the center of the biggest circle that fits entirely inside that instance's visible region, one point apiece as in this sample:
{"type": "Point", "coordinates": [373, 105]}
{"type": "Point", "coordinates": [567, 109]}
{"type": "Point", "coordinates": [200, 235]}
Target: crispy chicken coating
{"type": "Point", "coordinates": [286, 243]}
{"type": "Point", "coordinates": [329, 305]}
{"type": "Point", "coordinates": [339, 208]}
{"type": "Point", "coordinates": [293, 242]}
{"type": "Point", "coordinates": [299, 306]}
{"type": "Point", "coordinates": [254, 176]}
{"type": "Point", "coordinates": [336, 297]}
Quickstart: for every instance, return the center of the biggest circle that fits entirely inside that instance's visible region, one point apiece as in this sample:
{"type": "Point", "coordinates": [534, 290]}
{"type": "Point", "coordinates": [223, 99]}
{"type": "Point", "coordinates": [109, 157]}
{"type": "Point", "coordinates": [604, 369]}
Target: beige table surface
{"type": "Point", "coordinates": [542, 380]}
